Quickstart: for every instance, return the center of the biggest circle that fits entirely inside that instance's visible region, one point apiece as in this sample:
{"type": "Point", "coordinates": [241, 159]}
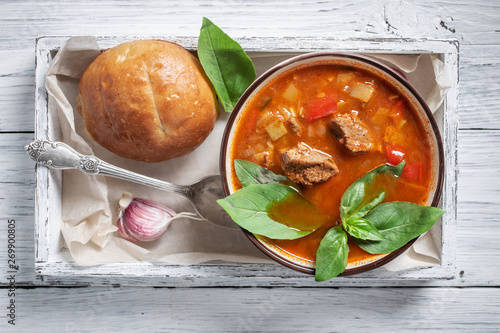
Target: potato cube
{"type": "Point", "coordinates": [362, 91]}
{"type": "Point", "coordinates": [276, 130]}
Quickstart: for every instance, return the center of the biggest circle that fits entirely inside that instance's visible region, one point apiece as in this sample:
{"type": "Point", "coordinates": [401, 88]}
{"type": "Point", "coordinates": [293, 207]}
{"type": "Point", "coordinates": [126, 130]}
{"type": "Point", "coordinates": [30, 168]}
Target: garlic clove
{"type": "Point", "coordinates": [142, 219]}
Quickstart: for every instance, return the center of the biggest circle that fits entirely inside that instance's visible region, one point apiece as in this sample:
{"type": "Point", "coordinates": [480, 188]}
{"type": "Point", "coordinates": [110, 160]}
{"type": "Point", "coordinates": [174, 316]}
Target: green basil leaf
{"type": "Point", "coordinates": [362, 229]}
{"type": "Point", "coordinates": [354, 195]}
{"type": "Point", "coordinates": [361, 212]}
{"type": "Point", "coordinates": [252, 208]}
{"type": "Point", "coordinates": [227, 66]}
{"type": "Point", "coordinates": [352, 198]}
{"type": "Point", "coordinates": [250, 173]}
{"type": "Point", "coordinates": [398, 223]}
{"type": "Point", "coordinates": [331, 257]}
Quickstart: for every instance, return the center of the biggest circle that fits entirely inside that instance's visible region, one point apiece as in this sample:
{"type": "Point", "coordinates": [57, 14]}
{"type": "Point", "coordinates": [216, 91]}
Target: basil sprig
{"type": "Point", "coordinates": [376, 227]}
{"type": "Point", "coordinates": [226, 64]}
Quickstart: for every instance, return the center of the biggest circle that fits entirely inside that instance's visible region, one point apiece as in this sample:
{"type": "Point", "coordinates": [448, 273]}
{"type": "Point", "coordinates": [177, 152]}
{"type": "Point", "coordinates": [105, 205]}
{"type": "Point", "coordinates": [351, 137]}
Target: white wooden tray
{"type": "Point", "coordinates": [53, 263]}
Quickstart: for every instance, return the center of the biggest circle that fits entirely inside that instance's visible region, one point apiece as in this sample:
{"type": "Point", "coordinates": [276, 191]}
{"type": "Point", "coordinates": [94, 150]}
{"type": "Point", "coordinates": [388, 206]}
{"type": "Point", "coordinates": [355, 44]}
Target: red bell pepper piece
{"type": "Point", "coordinates": [321, 107]}
{"type": "Point", "coordinates": [394, 154]}
{"type": "Point", "coordinates": [413, 171]}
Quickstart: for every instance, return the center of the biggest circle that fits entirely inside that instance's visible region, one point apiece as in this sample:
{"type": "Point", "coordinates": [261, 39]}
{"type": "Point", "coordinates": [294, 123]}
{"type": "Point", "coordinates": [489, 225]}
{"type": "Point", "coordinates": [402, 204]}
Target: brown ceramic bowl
{"type": "Point", "coordinates": [394, 79]}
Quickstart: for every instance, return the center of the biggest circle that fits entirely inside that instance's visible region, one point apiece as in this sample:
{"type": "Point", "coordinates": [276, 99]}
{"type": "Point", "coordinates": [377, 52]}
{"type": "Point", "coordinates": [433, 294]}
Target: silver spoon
{"type": "Point", "coordinates": [203, 194]}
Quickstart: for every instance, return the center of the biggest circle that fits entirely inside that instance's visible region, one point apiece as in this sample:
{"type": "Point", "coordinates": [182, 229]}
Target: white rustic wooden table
{"type": "Point", "coordinates": [257, 300]}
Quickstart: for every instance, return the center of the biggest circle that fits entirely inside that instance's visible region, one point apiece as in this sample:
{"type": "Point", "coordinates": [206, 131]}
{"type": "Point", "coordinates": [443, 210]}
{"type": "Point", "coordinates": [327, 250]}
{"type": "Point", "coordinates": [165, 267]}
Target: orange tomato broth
{"type": "Point", "coordinates": [391, 120]}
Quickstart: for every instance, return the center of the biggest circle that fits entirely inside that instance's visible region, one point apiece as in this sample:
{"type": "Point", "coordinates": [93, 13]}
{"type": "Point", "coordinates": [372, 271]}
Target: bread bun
{"type": "Point", "coordinates": [147, 100]}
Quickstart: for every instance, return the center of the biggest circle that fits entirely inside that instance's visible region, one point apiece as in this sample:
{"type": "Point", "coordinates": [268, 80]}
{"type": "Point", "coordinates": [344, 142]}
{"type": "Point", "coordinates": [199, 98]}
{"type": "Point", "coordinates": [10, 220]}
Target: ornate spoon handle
{"type": "Point", "coordinates": [58, 155]}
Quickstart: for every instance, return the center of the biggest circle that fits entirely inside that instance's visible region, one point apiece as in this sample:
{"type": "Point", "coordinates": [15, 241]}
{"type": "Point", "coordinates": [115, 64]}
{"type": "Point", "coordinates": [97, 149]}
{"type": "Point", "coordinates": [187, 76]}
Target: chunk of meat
{"type": "Point", "coordinates": [307, 166]}
{"type": "Point", "coordinates": [352, 132]}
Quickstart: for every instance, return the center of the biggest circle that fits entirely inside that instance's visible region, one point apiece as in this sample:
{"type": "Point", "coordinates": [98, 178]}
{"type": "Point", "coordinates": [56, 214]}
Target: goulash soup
{"type": "Point", "coordinates": [324, 126]}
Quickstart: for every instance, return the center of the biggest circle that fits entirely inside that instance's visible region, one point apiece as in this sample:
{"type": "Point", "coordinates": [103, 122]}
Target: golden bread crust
{"type": "Point", "coordinates": [147, 100]}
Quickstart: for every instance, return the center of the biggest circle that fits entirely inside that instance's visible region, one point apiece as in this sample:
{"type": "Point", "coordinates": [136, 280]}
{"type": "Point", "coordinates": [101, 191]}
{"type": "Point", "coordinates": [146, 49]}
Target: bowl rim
{"type": "Point", "coordinates": [395, 74]}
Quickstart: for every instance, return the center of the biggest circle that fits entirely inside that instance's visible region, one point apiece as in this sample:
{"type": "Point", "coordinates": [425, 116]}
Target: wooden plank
{"type": "Point", "coordinates": [17, 62]}
{"type": "Point", "coordinates": [17, 99]}
{"type": "Point", "coordinates": [470, 20]}
{"type": "Point", "coordinates": [17, 198]}
{"type": "Point", "coordinates": [254, 309]}
{"type": "Point", "coordinates": [478, 202]}
{"type": "Point", "coordinates": [479, 86]}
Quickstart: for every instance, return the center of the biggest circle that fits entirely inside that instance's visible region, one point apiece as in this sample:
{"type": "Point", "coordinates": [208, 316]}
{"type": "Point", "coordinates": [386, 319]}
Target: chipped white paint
{"type": "Point", "coordinates": [432, 305]}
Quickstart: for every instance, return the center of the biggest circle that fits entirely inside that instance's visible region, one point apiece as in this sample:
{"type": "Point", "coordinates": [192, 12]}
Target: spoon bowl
{"type": "Point", "coordinates": [204, 195]}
